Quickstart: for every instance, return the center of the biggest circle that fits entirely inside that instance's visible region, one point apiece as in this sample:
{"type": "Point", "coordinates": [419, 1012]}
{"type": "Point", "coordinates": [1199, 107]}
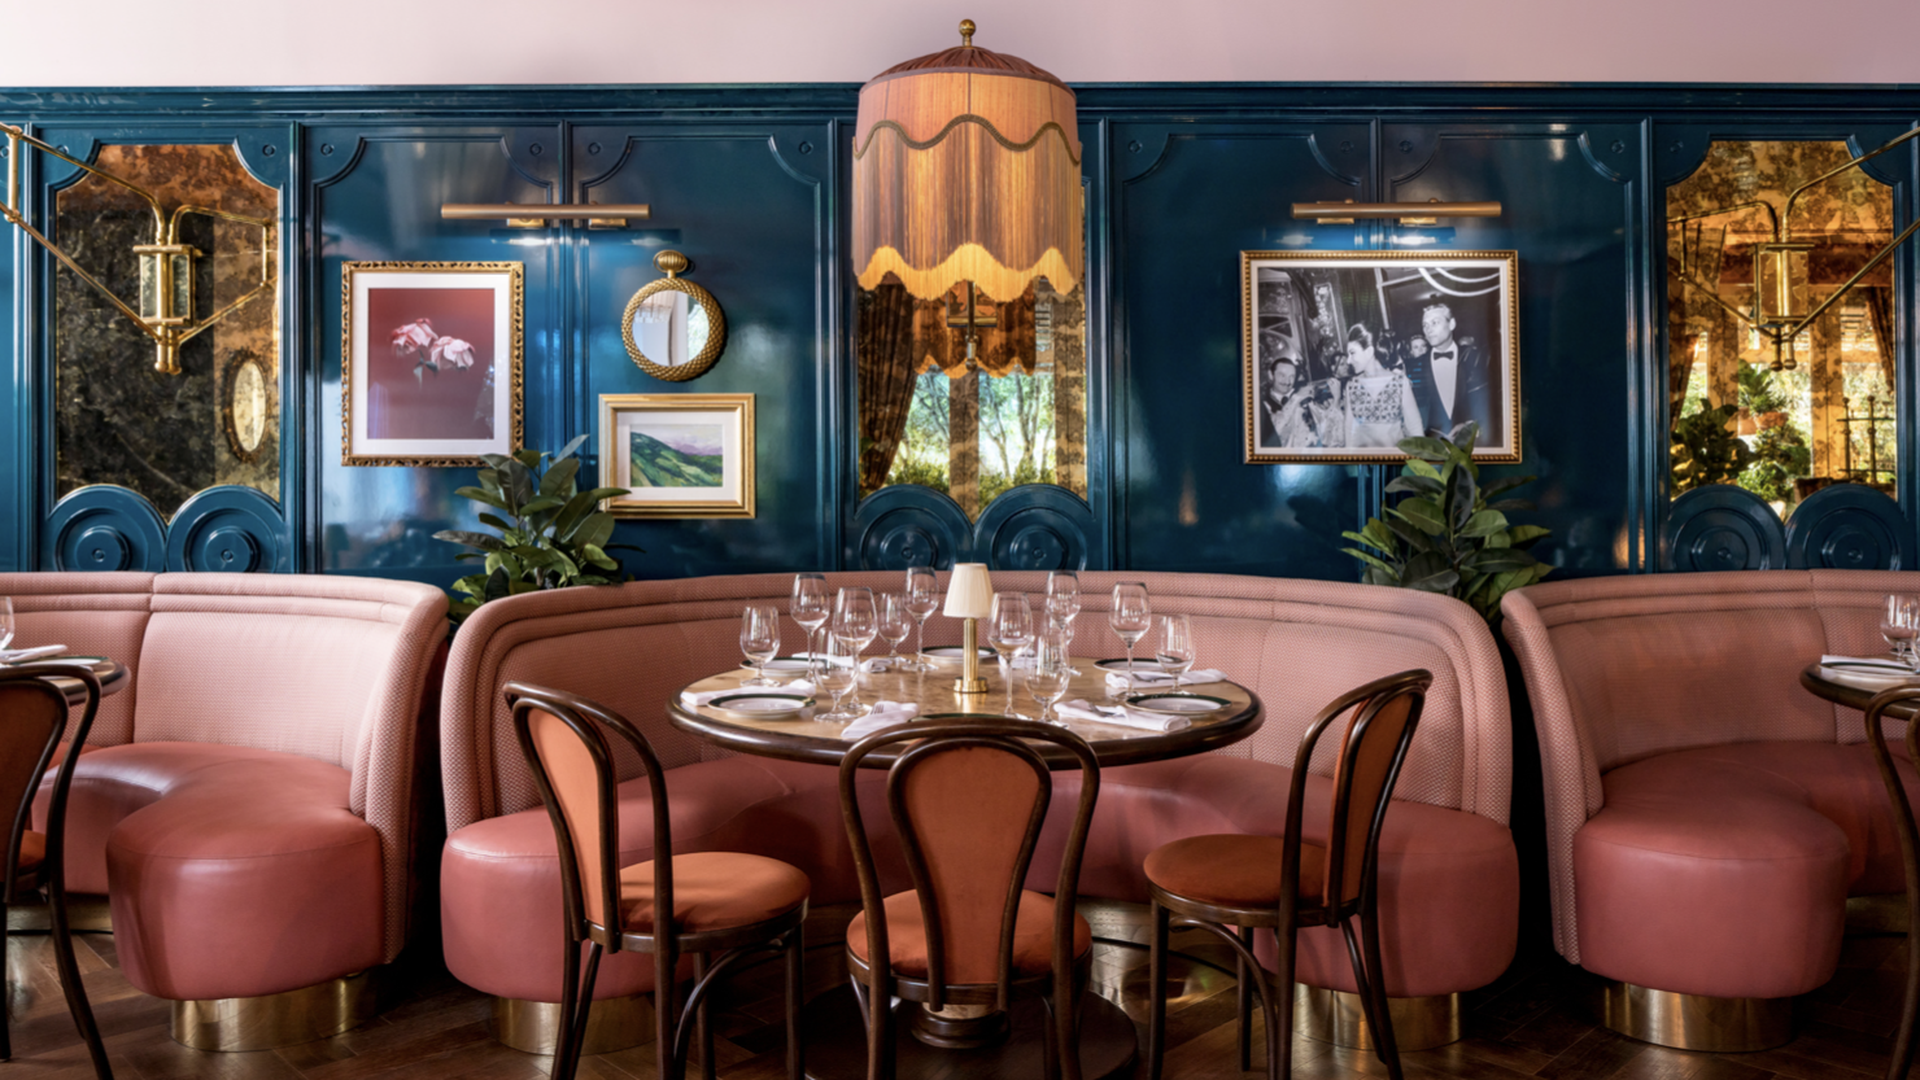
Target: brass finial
{"type": "Point", "coordinates": [966, 33]}
{"type": "Point", "coordinates": [670, 263]}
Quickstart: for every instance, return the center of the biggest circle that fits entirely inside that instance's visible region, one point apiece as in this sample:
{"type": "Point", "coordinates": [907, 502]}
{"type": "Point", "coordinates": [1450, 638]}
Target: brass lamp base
{"type": "Point", "coordinates": [970, 680]}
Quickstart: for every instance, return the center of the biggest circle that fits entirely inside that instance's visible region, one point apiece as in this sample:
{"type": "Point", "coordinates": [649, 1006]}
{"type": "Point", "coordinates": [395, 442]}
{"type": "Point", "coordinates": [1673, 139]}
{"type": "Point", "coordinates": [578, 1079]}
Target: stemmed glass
{"type": "Point", "coordinates": [839, 671]}
{"type": "Point", "coordinates": [1009, 628]}
{"type": "Point", "coordinates": [1131, 617]}
{"type": "Point", "coordinates": [760, 640]}
{"type": "Point", "coordinates": [1051, 673]}
{"type": "Point", "coordinates": [1176, 650]}
{"type": "Point", "coordinates": [923, 599]}
{"type": "Point", "coordinates": [6, 621]}
{"type": "Point", "coordinates": [855, 625]}
{"type": "Point", "coordinates": [895, 624]}
{"type": "Point", "coordinates": [1063, 600]}
{"type": "Point", "coordinates": [809, 607]}
{"type": "Point", "coordinates": [1899, 625]}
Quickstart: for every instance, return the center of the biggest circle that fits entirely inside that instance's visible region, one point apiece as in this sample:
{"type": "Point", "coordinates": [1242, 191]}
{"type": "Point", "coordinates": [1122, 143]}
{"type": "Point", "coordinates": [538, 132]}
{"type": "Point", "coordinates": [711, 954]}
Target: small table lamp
{"type": "Point", "coordinates": [970, 598]}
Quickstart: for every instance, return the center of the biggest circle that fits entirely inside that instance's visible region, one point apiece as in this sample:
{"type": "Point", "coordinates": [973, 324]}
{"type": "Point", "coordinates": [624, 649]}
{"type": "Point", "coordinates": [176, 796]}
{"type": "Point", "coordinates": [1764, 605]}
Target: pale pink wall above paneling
{"type": "Point", "coordinates": [477, 42]}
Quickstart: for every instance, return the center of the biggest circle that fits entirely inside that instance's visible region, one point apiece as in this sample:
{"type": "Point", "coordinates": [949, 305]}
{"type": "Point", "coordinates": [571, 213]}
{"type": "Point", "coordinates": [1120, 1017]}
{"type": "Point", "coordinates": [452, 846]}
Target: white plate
{"type": "Point", "coordinates": [1180, 704]}
{"type": "Point", "coordinates": [956, 654]}
{"type": "Point", "coordinates": [753, 706]}
{"type": "Point", "coordinates": [1867, 678]}
{"type": "Point", "coordinates": [785, 665]}
{"type": "Point", "coordinates": [1143, 667]}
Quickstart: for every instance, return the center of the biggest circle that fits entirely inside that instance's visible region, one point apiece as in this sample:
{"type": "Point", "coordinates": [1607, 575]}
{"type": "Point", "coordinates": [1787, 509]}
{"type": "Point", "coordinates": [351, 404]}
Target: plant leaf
{"type": "Point", "coordinates": [1483, 524]}
{"type": "Point", "coordinates": [1495, 560]}
{"type": "Point", "coordinates": [1419, 485]}
{"type": "Point", "coordinates": [567, 451]}
{"type": "Point", "coordinates": [1370, 560]}
{"type": "Point", "coordinates": [1422, 513]}
{"type": "Point", "coordinates": [560, 477]}
{"type": "Point", "coordinates": [471, 539]}
{"type": "Point", "coordinates": [1416, 467]}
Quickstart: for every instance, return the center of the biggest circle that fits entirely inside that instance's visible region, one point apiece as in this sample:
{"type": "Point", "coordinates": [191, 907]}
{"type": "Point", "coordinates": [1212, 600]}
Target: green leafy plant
{"type": "Point", "coordinates": [552, 536]}
{"type": "Point", "coordinates": [1705, 452]}
{"type": "Point", "coordinates": [1780, 454]}
{"type": "Point", "coordinates": [1444, 536]}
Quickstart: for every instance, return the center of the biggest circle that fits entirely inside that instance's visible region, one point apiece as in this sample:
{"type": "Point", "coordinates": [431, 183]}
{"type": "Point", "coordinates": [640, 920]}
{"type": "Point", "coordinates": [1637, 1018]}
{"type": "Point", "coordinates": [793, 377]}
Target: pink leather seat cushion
{"type": "Point", "coordinates": [1725, 871]}
{"type": "Point", "coordinates": [233, 872]}
{"type": "Point", "coordinates": [504, 871]}
{"type": "Point", "coordinates": [1449, 880]}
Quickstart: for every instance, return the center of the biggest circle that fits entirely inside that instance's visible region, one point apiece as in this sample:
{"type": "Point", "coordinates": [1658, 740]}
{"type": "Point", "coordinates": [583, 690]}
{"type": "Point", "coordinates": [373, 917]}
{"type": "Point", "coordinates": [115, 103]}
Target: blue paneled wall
{"type": "Point", "coordinates": [750, 183]}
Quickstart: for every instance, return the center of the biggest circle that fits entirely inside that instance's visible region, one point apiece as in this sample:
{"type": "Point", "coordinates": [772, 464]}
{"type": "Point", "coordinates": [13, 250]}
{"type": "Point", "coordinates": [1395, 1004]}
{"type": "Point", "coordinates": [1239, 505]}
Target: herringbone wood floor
{"type": "Point", "coordinates": [1532, 1022]}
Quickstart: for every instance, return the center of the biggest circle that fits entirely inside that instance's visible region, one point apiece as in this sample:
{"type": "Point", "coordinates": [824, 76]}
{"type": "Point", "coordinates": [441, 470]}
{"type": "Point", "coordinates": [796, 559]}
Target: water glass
{"type": "Point", "coordinates": [809, 607]}
{"type": "Point", "coordinates": [837, 673]}
{"type": "Point", "coordinates": [895, 624]}
{"type": "Point", "coordinates": [1131, 616]}
{"type": "Point", "coordinates": [1176, 648]}
{"type": "Point", "coordinates": [923, 599]}
{"type": "Point", "coordinates": [6, 621]}
{"type": "Point", "coordinates": [1051, 673]}
{"type": "Point", "coordinates": [855, 623]}
{"type": "Point", "coordinates": [1063, 599]}
{"type": "Point", "coordinates": [1009, 625]}
{"type": "Point", "coordinates": [760, 640]}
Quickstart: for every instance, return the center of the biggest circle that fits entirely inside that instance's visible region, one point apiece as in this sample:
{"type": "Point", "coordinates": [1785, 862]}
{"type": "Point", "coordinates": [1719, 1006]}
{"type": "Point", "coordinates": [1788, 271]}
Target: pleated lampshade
{"type": "Point", "coordinates": [966, 167]}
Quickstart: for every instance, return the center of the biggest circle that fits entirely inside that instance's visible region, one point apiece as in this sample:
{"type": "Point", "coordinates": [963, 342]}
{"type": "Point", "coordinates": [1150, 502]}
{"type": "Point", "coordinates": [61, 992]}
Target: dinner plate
{"type": "Point", "coordinates": [788, 667]}
{"type": "Point", "coordinates": [956, 654]}
{"type": "Point", "coordinates": [1181, 704]}
{"type": "Point", "coordinates": [1119, 664]}
{"type": "Point", "coordinates": [1866, 678]}
{"type": "Point", "coordinates": [761, 706]}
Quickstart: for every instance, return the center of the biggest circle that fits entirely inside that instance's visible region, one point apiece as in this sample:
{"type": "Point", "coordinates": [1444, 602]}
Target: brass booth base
{"type": "Point", "coordinates": [1335, 1016]}
{"type": "Point", "coordinates": [533, 1027]}
{"type": "Point", "coordinates": [1694, 1021]}
{"type": "Point", "coordinates": [263, 1023]}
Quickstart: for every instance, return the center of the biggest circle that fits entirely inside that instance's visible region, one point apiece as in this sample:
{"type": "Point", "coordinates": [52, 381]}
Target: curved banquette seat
{"type": "Point", "coordinates": [1707, 816]}
{"type": "Point", "coordinates": [1450, 878]}
{"type": "Point", "coordinates": [247, 801]}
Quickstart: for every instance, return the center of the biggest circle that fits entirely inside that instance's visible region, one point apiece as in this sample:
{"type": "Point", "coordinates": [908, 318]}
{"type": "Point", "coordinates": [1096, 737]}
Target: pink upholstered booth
{"type": "Point", "coordinates": [250, 807]}
{"type": "Point", "coordinates": [1707, 817]}
{"type": "Point", "coordinates": [1450, 882]}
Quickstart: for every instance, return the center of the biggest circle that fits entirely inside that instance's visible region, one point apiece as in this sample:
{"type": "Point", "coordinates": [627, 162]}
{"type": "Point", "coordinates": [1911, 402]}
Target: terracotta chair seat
{"type": "Point", "coordinates": [221, 863]}
{"type": "Point", "coordinates": [1237, 871]}
{"type": "Point", "coordinates": [33, 852]}
{"type": "Point", "coordinates": [907, 935]}
{"type": "Point", "coordinates": [1770, 838]}
{"type": "Point", "coordinates": [712, 890]}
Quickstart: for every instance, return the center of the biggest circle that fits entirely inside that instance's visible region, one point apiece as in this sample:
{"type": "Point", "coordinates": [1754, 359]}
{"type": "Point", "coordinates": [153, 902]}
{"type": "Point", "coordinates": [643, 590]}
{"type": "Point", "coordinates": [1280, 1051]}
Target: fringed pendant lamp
{"type": "Point", "coordinates": [966, 168]}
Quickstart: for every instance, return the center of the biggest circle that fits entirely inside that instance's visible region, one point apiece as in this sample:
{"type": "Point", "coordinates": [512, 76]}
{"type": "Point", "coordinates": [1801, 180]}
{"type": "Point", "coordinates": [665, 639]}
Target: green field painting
{"type": "Point", "coordinates": [677, 455]}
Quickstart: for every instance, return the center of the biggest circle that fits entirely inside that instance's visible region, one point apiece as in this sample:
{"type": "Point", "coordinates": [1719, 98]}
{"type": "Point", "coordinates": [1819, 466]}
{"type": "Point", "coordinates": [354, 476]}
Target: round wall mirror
{"type": "Point", "coordinates": [673, 329]}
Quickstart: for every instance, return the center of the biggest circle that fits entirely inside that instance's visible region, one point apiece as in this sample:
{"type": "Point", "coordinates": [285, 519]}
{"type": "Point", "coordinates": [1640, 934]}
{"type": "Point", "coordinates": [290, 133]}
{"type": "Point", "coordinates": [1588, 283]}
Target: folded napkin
{"type": "Point", "coordinates": [880, 664]}
{"type": "Point", "coordinates": [885, 714]}
{"type": "Point", "coordinates": [1121, 716]}
{"type": "Point", "coordinates": [1867, 663]}
{"type": "Point", "coordinates": [694, 700]}
{"type": "Point", "coordinates": [1155, 678]}
{"type": "Point", "coordinates": [18, 656]}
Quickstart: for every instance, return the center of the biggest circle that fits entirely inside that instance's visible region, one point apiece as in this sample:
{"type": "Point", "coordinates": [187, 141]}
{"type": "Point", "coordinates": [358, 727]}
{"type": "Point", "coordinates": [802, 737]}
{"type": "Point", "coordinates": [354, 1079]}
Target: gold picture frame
{"type": "Point", "coordinates": [680, 455]}
{"type": "Point", "coordinates": [700, 333]}
{"type": "Point", "coordinates": [1345, 353]}
{"type": "Point", "coordinates": [431, 360]}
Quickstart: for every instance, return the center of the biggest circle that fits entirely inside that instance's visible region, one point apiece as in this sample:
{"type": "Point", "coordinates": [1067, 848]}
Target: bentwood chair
{"type": "Point", "coordinates": [968, 799]}
{"type": "Point", "coordinates": [1287, 882]}
{"type": "Point", "coordinates": [1909, 836]}
{"type": "Point", "coordinates": [33, 716]}
{"type": "Point", "coordinates": [705, 903]}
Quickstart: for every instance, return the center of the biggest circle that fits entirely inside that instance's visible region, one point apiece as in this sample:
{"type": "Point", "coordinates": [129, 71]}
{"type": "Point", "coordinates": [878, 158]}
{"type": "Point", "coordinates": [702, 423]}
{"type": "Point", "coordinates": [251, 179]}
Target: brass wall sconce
{"type": "Point", "coordinates": [1781, 265]}
{"type": "Point", "coordinates": [536, 215]}
{"type": "Point", "coordinates": [1409, 213]}
{"type": "Point", "coordinates": [166, 306]}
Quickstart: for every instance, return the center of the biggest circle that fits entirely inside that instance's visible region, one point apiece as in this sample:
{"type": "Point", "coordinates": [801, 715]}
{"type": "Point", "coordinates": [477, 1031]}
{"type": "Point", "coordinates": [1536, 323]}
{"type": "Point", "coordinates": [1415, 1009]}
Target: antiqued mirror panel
{"type": "Point", "coordinates": [970, 395]}
{"type": "Point", "coordinates": [216, 420]}
{"type": "Point", "coordinates": [1758, 238]}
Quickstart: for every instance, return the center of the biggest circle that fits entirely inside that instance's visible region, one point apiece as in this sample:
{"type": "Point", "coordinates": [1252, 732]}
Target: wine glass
{"type": "Point", "coordinates": [1063, 599]}
{"type": "Point", "coordinates": [809, 607]}
{"type": "Point", "coordinates": [895, 624]}
{"type": "Point", "coordinates": [1009, 626]}
{"type": "Point", "coordinates": [1895, 627]}
{"type": "Point", "coordinates": [1176, 648]}
{"type": "Point", "coordinates": [923, 599]}
{"type": "Point", "coordinates": [6, 621]}
{"type": "Point", "coordinates": [855, 623]}
{"type": "Point", "coordinates": [1051, 673]}
{"type": "Point", "coordinates": [839, 672]}
{"type": "Point", "coordinates": [760, 640]}
{"type": "Point", "coordinates": [1131, 617]}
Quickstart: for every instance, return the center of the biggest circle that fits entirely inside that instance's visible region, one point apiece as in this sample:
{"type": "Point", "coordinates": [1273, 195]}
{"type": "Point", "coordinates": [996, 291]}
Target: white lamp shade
{"type": "Point", "coordinates": [970, 592]}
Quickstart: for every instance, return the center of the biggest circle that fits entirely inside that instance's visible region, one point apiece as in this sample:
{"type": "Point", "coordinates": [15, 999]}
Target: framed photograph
{"type": "Point", "coordinates": [430, 362]}
{"type": "Point", "coordinates": [1344, 354]}
{"type": "Point", "coordinates": [680, 455]}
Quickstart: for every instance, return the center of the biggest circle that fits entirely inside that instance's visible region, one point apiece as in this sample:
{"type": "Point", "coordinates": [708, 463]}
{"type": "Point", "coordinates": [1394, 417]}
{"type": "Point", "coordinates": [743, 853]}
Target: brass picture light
{"type": "Point", "coordinates": [166, 303]}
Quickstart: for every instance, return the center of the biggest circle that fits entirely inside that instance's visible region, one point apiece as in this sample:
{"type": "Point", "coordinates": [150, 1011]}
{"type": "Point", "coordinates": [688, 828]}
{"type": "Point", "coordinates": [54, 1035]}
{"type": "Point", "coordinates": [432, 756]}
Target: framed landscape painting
{"type": "Point", "coordinates": [679, 455]}
{"type": "Point", "coordinates": [1345, 354]}
{"type": "Point", "coordinates": [430, 362]}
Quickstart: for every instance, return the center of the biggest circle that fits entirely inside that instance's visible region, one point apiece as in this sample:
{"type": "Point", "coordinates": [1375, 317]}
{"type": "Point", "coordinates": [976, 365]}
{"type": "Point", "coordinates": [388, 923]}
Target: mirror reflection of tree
{"type": "Point", "coordinates": [971, 396]}
{"type": "Point", "coordinates": [1781, 423]}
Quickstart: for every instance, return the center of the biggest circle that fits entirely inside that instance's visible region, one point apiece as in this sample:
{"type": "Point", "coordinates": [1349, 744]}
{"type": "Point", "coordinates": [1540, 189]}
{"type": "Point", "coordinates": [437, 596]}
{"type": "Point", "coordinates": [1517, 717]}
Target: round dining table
{"type": "Point", "coordinates": [836, 1034]}
{"type": "Point", "coordinates": [1855, 689]}
{"type": "Point", "coordinates": [111, 673]}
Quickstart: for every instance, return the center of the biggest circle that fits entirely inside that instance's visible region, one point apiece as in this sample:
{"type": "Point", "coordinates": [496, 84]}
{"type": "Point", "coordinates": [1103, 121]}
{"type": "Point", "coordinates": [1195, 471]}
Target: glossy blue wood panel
{"type": "Point", "coordinates": [749, 207]}
{"type": "Point", "coordinates": [1187, 199]}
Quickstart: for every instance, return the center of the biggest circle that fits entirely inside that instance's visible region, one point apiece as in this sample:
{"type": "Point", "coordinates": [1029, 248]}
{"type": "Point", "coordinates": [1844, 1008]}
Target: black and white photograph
{"type": "Point", "coordinates": [1347, 354]}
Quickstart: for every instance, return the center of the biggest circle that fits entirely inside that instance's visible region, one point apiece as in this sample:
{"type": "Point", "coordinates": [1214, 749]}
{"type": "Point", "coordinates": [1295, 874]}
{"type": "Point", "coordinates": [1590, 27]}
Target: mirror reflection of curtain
{"type": "Point", "coordinates": [1879, 300]}
{"type": "Point", "coordinates": [886, 374]}
{"type": "Point", "coordinates": [1679, 341]}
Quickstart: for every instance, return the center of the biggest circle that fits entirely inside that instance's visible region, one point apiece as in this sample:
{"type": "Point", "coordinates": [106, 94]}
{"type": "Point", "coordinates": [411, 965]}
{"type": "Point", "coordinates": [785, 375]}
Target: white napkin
{"type": "Point", "coordinates": [1154, 678]}
{"type": "Point", "coordinates": [17, 656]}
{"type": "Point", "coordinates": [1867, 663]}
{"type": "Point", "coordinates": [879, 665]}
{"type": "Point", "coordinates": [694, 700]}
{"type": "Point", "coordinates": [885, 714]}
{"type": "Point", "coordinates": [1120, 715]}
